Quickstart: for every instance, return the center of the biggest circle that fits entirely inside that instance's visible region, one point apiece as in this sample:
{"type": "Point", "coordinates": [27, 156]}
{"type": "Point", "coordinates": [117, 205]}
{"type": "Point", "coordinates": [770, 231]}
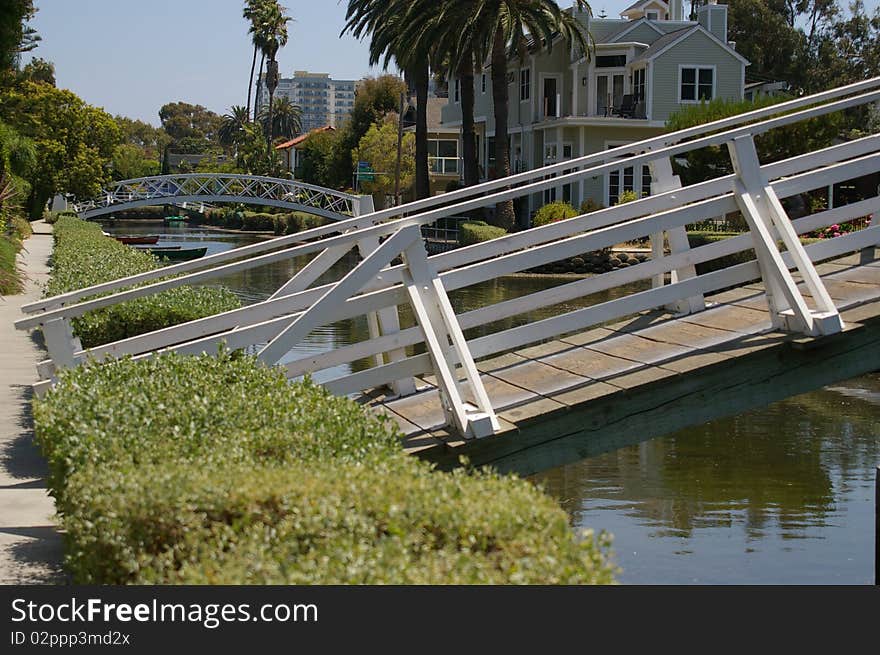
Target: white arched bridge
{"type": "Point", "coordinates": [209, 188]}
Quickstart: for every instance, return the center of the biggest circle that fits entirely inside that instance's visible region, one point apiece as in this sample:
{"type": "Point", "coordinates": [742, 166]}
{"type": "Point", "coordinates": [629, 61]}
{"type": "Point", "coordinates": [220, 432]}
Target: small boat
{"type": "Point", "coordinates": [133, 239]}
{"type": "Point", "coordinates": [175, 220]}
{"type": "Point", "coordinates": [178, 254]}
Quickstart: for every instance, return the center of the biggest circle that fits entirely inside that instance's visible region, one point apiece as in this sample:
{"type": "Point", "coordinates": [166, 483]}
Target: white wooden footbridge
{"type": "Point", "coordinates": [209, 188]}
{"type": "Point", "coordinates": [685, 349]}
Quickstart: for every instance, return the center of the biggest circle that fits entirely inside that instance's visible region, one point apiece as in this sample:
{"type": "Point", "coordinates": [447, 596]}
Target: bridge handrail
{"type": "Point", "coordinates": [663, 145]}
{"type": "Point", "coordinates": [360, 227]}
{"type": "Point", "coordinates": [233, 176]}
{"type": "Point", "coordinates": [474, 264]}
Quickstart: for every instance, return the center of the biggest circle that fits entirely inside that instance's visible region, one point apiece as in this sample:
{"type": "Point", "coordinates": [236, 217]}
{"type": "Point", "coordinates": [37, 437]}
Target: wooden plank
{"type": "Point", "coordinates": [687, 334]}
{"type": "Point", "coordinates": [731, 318]}
{"type": "Point", "coordinates": [539, 378]}
{"type": "Point", "coordinates": [590, 363]}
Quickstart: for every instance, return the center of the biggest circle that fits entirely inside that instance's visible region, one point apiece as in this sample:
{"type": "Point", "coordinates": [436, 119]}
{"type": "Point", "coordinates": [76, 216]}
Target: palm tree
{"type": "Point", "coordinates": [286, 116]}
{"type": "Point", "coordinates": [253, 11]}
{"type": "Point", "coordinates": [504, 29]}
{"type": "Point", "coordinates": [398, 29]}
{"type": "Point", "coordinates": [232, 126]}
{"type": "Point", "coordinates": [274, 34]}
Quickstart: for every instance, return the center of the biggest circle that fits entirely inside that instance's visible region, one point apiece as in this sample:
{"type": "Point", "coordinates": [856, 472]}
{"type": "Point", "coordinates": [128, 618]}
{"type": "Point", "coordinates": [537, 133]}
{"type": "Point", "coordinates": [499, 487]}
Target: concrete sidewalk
{"type": "Point", "coordinates": [30, 547]}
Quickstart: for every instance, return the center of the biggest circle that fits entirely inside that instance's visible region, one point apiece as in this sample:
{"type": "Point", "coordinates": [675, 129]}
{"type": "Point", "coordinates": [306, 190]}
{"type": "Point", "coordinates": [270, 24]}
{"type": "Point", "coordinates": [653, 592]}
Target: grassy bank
{"type": "Point", "coordinates": [83, 256]}
{"type": "Point", "coordinates": [11, 238]}
{"type": "Point", "coordinates": [217, 470]}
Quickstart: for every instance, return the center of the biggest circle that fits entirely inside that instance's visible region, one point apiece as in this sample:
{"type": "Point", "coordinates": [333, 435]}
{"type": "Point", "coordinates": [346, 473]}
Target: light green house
{"type": "Point", "coordinates": [646, 65]}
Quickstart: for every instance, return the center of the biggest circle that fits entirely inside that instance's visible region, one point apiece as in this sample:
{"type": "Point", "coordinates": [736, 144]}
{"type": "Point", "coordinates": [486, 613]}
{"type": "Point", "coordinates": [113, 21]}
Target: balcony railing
{"type": "Point", "coordinates": [443, 165]}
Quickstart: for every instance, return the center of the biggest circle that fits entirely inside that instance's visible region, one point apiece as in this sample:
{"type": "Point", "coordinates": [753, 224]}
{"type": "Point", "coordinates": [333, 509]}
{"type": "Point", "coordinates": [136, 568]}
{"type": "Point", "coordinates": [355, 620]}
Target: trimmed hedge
{"type": "Point", "coordinates": [83, 256]}
{"type": "Point", "coordinates": [471, 232]}
{"type": "Point", "coordinates": [217, 470]}
{"type": "Point", "coordinates": [248, 221]}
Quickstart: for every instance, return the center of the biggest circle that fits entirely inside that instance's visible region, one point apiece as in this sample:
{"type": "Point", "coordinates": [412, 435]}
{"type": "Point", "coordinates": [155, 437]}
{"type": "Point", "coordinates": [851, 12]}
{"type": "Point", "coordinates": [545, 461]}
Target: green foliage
{"type": "Point", "coordinates": [552, 212]}
{"type": "Point", "coordinates": [627, 195]}
{"type": "Point", "coordinates": [590, 205]}
{"type": "Point", "coordinates": [471, 232]}
{"type": "Point", "coordinates": [83, 257]}
{"type": "Point", "coordinates": [129, 163]}
{"type": "Point", "coordinates": [379, 148]}
{"type": "Point", "coordinates": [51, 217]}
{"type": "Point", "coordinates": [217, 470]}
{"type": "Point", "coordinates": [39, 70]}
{"type": "Point", "coordinates": [182, 120]}
{"type": "Point", "coordinates": [15, 36]}
{"type": "Point", "coordinates": [74, 141]}
{"type": "Point", "coordinates": [775, 145]}
{"type": "Point", "coordinates": [10, 278]}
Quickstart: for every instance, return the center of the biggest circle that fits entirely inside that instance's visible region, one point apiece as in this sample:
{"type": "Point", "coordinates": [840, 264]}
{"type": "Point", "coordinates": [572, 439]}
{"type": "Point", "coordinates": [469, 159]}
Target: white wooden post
{"type": "Point", "coordinates": [447, 347]}
{"type": "Point", "coordinates": [60, 342]}
{"type": "Point", "coordinates": [663, 180]}
{"type": "Point", "coordinates": [767, 219]}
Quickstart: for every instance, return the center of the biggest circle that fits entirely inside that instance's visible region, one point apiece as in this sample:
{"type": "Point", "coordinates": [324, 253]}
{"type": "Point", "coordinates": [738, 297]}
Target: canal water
{"type": "Point", "coordinates": [779, 495]}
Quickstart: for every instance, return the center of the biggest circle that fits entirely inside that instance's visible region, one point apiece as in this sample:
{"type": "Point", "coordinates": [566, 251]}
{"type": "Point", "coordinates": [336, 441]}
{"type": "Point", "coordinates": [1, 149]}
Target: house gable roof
{"type": "Point", "coordinates": [632, 26]}
{"type": "Point", "coordinates": [641, 4]}
{"type": "Point", "coordinates": [667, 41]}
{"type": "Point", "coordinates": [302, 137]}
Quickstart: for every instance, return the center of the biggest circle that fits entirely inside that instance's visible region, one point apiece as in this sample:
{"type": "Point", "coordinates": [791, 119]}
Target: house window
{"type": "Point", "coordinates": [697, 83]}
{"type": "Point", "coordinates": [611, 61]}
{"type": "Point", "coordinates": [443, 156]}
{"type": "Point", "coordinates": [525, 84]}
{"type": "Point", "coordinates": [651, 15]}
{"type": "Point", "coordinates": [638, 84]}
{"type": "Point", "coordinates": [456, 92]}
{"type": "Point", "coordinates": [483, 83]}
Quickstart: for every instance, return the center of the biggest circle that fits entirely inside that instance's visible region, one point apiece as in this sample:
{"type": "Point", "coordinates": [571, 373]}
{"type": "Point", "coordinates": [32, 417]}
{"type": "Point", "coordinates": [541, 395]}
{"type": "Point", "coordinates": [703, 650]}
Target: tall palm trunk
{"type": "Point", "coordinates": [420, 81]}
{"type": "Point", "coordinates": [468, 133]}
{"type": "Point", "coordinates": [504, 215]}
{"type": "Point", "coordinates": [251, 82]}
{"type": "Point", "coordinates": [257, 86]}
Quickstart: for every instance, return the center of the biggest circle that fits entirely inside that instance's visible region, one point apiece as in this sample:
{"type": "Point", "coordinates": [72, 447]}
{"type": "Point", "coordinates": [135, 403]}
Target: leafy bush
{"type": "Point", "coordinates": [471, 232]}
{"type": "Point", "coordinates": [626, 196]}
{"type": "Point", "coordinates": [51, 217]}
{"type": "Point", "coordinates": [590, 205]}
{"type": "Point", "coordinates": [10, 279]}
{"type": "Point", "coordinates": [552, 212]}
{"type": "Point", "coordinates": [280, 223]}
{"type": "Point", "coordinates": [83, 256]}
{"type": "Point", "coordinates": [217, 470]}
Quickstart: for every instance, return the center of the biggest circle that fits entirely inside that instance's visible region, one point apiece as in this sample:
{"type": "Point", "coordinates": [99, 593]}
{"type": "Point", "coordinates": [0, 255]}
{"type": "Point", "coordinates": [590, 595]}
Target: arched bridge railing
{"type": "Point", "coordinates": [216, 187]}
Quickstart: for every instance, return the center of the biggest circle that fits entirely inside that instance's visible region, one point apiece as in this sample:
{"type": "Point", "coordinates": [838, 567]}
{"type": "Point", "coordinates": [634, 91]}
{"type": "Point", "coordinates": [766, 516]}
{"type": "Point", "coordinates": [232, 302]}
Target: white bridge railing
{"type": "Point", "coordinates": [216, 187]}
{"type": "Point", "coordinates": [376, 287]}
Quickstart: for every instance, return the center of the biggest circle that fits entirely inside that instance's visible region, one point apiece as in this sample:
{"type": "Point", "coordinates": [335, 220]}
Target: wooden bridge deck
{"type": "Point", "coordinates": [580, 395]}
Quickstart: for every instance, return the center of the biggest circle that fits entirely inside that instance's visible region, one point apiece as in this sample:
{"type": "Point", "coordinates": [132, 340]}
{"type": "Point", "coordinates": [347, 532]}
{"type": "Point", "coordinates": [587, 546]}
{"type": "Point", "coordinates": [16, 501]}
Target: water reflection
{"type": "Point", "coordinates": [781, 494]}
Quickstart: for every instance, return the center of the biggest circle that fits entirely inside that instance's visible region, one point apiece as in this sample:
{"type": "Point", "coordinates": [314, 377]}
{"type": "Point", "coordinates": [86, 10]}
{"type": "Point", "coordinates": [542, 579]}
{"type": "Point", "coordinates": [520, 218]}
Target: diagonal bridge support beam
{"type": "Point", "coordinates": [769, 223]}
{"type": "Point", "coordinates": [446, 344]}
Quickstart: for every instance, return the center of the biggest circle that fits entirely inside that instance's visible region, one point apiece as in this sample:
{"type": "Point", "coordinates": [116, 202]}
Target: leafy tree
{"type": "Point", "coordinates": [18, 157]}
{"type": "Point", "coordinates": [74, 141]}
{"type": "Point", "coordinates": [15, 36]}
{"type": "Point", "coordinates": [39, 70]}
{"type": "Point", "coordinates": [316, 159]}
{"type": "Point", "coordinates": [129, 162]}
{"type": "Point", "coordinates": [379, 148]}
{"type": "Point", "coordinates": [777, 144]}
{"type": "Point", "coordinates": [151, 140]}
{"type": "Point", "coordinates": [181, 120]}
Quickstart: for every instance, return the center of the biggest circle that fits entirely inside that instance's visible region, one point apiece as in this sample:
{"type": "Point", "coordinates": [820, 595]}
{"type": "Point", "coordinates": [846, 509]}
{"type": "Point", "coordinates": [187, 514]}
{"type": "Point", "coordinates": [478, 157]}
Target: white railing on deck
{"type": "Point", "coordinates": [376, 288]}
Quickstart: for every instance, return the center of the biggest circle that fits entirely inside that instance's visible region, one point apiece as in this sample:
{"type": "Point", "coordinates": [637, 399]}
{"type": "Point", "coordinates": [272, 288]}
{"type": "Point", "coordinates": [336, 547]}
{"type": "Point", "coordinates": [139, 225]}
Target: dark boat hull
{"type": "Point", "coordinates": [138, 240]}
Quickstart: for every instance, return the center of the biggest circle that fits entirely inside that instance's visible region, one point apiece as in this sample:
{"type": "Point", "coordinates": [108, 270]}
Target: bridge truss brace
{"type": "Point", "coordinates": [769, 223]}
{"type": "Point", "coordinates": [443, 336]}
{"type": "Point", "coordinates": [663, 180]}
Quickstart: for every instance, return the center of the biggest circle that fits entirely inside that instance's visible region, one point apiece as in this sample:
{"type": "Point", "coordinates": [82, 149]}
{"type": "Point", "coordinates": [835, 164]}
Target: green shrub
{"type": "Point", "coordinates": [590, 205]}
{"type": "Point", "coordinates": [83, 257]}
{"type": "Point", "coordinates": [552, 212]}
{"type": "Point", "coordinates": [52, 217]}
{"type": "Point", "coordinates": [626, 196]}
{"type": "Point", "coordinates": [471, 232]}
{"type": "Point", "coordinates": [255, 222]}
{"type": "Point", "coordinates": [217, 470]}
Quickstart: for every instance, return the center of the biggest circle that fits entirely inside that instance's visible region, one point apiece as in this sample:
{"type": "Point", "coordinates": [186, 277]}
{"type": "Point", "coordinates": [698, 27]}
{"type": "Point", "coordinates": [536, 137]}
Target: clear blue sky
{"type": "Point", "coordinates": [133, 56]}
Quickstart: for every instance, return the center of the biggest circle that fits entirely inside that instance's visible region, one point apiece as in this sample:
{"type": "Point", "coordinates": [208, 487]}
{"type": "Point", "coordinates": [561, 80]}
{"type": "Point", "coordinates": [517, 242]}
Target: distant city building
{"type": "Point", "coordinates": [324, 101]}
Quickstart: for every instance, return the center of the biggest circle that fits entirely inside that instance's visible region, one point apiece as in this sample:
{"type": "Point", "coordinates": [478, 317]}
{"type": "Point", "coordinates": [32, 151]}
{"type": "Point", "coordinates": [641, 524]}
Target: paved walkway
{"type": "Point", "coordinates": [30, 546]}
